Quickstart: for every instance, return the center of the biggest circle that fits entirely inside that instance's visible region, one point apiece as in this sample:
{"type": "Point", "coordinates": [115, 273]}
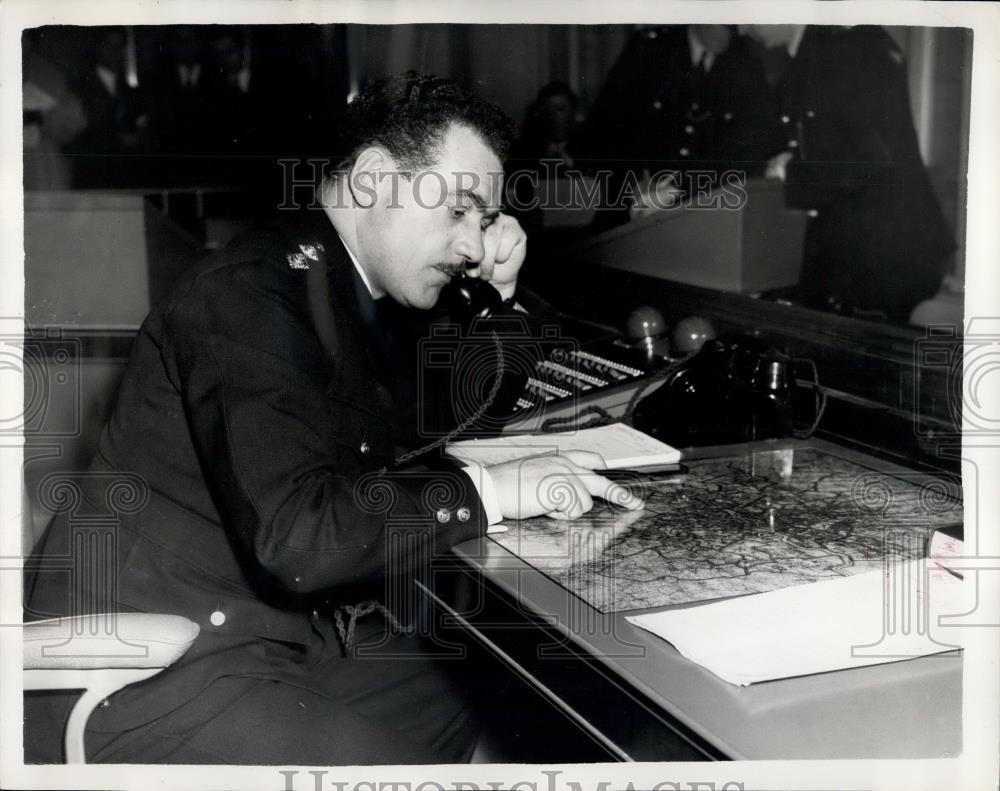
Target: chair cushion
{"type": "Point", "coordinates": [111, 640]}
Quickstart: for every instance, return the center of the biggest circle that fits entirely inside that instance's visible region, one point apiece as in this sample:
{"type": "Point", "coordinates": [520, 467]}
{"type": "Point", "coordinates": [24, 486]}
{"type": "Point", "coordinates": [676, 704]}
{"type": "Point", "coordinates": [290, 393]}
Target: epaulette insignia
{"type": "Point", "coordinates": [311, 251]}
{"type": "Point", "coordinates": [306, 251]}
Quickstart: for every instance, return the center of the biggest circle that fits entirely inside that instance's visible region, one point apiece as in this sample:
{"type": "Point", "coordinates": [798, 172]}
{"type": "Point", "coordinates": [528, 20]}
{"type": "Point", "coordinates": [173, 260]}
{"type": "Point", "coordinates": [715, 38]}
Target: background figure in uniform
{"type": "Point", "coordinates": [115, 116]}
{"type": "Point", "coordinates": [228, 86]}
{"type": "Point", "coordinates": [183, 107]}
{"type": "Point", "coordinates": [685, 98]}
{"type": "Point", "coordinates": [877, 241]}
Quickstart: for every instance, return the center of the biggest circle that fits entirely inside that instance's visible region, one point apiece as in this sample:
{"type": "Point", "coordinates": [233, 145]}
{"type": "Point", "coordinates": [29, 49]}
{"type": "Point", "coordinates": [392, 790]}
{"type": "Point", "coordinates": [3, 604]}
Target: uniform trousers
{"type": "Point", "coordinates": [391, 700]}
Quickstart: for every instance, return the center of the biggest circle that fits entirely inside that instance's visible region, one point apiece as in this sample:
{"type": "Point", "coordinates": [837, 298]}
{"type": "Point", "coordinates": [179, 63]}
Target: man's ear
{"type": "Point", "coordinates": [367, 178]}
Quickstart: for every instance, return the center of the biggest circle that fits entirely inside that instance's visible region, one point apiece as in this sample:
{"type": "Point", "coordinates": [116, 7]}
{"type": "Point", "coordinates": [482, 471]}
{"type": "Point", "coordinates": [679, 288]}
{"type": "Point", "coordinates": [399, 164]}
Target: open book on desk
{"type": "Point", "coordinates": [622, 447]}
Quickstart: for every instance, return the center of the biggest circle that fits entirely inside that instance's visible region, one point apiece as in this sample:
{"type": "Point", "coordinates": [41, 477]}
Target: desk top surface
{"type": "Point", "coordinates": [771, 515]}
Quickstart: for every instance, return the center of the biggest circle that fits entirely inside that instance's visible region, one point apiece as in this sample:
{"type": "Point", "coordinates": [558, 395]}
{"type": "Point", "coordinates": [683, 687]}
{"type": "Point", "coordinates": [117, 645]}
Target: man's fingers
{"type": "Point", "coordinates": [614, 493]}
{"type": "Point", "coordinates": [565, 493]}
{"type": "Point", "coordinates": [556, 485]}
{"type": "Point", "coordinates": [510, 237]}
{"type": "Point", "coordinates": [584, 462]}
{"type": "Point", "coordinates": [491, 244]}
{"type": "Point", "coordinates": [510, 251]}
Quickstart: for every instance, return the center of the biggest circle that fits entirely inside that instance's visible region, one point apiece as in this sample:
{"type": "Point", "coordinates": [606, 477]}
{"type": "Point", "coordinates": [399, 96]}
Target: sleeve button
{"type": "Point", "coordinates": [217, 618]}
{"type": "Point", "coordinates": [443, 515]}
{"type": "Point", "coordinates": [463, 514]}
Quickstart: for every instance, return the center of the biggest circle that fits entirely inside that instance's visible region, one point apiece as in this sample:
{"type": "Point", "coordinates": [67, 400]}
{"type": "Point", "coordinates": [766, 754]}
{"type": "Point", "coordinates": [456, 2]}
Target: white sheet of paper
{"type": "Point", "coordinates": [830, 625]}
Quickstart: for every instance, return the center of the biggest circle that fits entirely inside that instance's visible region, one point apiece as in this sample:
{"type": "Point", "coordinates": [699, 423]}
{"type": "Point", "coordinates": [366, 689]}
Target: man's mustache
{"type": "Point", "coordinates": [453, 269]}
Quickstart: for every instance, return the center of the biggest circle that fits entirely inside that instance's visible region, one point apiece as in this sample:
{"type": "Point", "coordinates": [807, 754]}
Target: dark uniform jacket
{"type": "Point", "coordinates": [878, 239]}
{"type": "Point", "coordinates": [247, 473]}
{"type": "Point", "coordinates": [659, 111]}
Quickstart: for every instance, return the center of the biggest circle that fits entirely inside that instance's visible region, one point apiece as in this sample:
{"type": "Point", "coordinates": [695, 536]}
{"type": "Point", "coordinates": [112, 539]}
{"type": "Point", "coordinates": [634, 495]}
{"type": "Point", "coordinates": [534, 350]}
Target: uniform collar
{"type": "Point", "coordinates": [347, 286]}
{"type": "Point", "coordinates": [357, 265]}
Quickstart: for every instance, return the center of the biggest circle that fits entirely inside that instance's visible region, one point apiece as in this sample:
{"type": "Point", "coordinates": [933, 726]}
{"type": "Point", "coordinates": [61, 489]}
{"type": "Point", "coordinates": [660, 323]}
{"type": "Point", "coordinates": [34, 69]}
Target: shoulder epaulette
{"type": "Point", "coordinates": [305, 254]}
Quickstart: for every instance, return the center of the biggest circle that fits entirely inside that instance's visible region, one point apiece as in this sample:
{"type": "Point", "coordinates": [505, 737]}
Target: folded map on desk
{"type": "Point", "coordinates": [621, 447]}
{"type": "Point", "coordinates": [749, 523]}
{"type": "Point", "coordinates": [880, 616]}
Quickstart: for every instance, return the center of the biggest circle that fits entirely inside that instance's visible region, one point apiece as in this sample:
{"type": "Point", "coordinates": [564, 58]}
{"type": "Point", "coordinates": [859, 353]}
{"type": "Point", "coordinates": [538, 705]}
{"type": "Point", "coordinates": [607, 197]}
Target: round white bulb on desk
{"type": "Point", "coordinates": [645, 322]}
{"type": "Point", "coordinates": [690, 334]}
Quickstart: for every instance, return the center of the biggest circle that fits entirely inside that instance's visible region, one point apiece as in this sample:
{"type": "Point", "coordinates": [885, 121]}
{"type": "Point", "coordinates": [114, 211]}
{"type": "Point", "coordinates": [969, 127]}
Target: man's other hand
{"type": "Point", "coordinates": [656, 195]}
{"type": "Point", "coordinates": [561, 486]}
{"type": "Point", "coordinates": [505, 245]}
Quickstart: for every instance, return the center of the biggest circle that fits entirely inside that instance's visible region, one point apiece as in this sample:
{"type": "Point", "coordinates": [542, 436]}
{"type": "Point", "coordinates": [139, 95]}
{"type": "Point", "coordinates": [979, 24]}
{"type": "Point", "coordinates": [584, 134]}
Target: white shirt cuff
{"type": "Point", "coordinates": [483, 482]}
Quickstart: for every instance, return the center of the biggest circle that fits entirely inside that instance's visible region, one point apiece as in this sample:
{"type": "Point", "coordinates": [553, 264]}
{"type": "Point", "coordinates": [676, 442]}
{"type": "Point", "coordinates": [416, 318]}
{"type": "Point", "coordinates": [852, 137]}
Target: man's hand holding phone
{"type": "Point", "coordinates": [561, 486]}
{"type": "Point", "coordinates": [505, 244]}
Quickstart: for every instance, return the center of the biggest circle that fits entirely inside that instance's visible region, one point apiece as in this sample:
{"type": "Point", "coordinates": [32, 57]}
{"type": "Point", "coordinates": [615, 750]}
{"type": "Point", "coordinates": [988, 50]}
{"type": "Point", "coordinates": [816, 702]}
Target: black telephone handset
{"type": "Point", "coordinates": [471, 298]}
{"type": "Point", "coordinates": [735, 389]}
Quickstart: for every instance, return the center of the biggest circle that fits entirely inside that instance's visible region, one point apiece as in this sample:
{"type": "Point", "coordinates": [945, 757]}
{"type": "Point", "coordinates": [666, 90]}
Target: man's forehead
{"type": "Point", "coordinates": [469, 166]}
{"type": "Point", "coordinates": [482, 189]}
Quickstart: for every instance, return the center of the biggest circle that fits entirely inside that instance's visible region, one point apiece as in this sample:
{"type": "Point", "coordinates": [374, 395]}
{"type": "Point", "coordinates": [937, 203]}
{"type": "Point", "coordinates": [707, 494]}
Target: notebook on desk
{"type": "Point", "coordinates": [620, 446]}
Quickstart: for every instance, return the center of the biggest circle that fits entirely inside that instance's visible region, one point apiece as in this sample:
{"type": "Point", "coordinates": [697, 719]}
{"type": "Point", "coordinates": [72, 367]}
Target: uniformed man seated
{"type": "Point", "coordinates": [259, 413]}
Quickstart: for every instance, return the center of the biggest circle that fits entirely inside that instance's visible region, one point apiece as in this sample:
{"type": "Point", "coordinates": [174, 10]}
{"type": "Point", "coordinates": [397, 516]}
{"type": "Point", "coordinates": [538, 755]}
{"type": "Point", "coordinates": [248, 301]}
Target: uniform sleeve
{"type": "Point", "coordinates": [851, 148]}
{"type": "Point", "coordinates": [281, 456]}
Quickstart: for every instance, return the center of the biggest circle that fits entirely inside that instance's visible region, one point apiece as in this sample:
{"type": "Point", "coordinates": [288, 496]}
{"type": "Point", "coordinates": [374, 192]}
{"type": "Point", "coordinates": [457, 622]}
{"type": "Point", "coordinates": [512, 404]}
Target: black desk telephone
{"type": "Point", "coordinates": [470, 298]}
{"type": "Point", "coordinates": [735, 389]}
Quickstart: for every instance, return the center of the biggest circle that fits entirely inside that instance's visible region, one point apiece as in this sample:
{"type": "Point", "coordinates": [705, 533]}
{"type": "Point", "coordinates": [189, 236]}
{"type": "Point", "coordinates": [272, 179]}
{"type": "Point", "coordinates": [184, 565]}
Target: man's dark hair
{"type": "Point", "coordinates": [409, 115]}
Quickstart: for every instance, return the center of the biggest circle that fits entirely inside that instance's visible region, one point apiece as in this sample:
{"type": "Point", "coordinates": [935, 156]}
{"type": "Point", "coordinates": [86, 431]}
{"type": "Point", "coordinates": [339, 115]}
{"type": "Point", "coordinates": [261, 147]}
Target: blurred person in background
{"type": "Point", "coordinates": [877, 242]}
{"type": "Point", "coordinates": [116, 117]}
{"type": "Point", "coordinates": [53, 116]}
{"type": "Point", "coordinates": [689, 99]}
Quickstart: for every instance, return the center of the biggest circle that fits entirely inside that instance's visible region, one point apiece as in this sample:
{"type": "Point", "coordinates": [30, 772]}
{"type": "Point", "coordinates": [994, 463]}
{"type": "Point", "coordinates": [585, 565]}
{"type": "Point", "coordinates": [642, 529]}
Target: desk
{"type": "Point", "coordinates": [641, 700]}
